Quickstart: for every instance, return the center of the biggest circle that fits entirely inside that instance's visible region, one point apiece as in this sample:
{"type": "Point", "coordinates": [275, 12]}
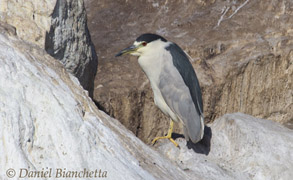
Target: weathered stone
{"type": "Point", "coordinates": [49, 122]}
{"type": "Point", "coordinates": [242, 53]}
{"type": "Point", "coordinates": [60, 27]}
{"type": "Point", "coordinates": [30, 18]}
{"type": "Point", "coordinates": [69, 41]}
{"type": "Point", "coordinates": [238, 146]}
{"type": "Point", "coordinates": [7, 29]}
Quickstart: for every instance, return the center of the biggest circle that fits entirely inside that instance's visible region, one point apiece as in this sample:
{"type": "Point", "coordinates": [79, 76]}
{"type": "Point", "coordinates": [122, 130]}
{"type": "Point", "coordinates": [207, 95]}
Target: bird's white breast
{"type": "Point", "coordinates": [152, 63]}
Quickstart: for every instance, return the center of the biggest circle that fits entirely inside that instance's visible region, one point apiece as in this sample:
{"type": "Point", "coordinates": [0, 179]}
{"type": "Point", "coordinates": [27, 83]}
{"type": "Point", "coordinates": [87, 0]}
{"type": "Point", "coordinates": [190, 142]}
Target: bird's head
{"type": "Point", "coordinates": [142, 44]}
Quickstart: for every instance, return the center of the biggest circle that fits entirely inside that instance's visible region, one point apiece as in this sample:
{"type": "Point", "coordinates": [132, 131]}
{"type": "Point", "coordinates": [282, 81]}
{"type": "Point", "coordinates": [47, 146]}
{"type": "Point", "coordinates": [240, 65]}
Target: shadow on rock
{"type": "Point", "coordinates": [203, 146]}
{"type": "Point", "coordinates": [100, 107]}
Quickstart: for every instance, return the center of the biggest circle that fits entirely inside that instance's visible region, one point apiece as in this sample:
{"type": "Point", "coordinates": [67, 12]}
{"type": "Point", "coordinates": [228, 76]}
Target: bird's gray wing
{"type": "Point", "coordinates": [183, 65]}
{"type": "Point", "coordinates": [180, 90]}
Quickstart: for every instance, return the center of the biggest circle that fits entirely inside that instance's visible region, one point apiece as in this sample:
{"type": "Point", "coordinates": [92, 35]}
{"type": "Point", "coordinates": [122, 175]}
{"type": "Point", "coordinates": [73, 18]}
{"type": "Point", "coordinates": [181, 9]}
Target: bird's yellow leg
{"type": "Point", "coordinates": [168, 135]}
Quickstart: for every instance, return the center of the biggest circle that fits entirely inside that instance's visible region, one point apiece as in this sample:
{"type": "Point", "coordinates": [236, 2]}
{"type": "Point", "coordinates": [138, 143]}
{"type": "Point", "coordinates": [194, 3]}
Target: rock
{"type": "Point", "coordinates": [30, 18]}
{"type": "Point", "coordinates": [242, 53]}
{"type": "Point", "coordinates": [60, 27]}
{"type": "Point", "coordinates": [48, 123]}
{"type": "Point", "coordinates": [69, 41]}
{"type": "Point", "coordinates": [239, 147]}
{"type": "Point", "coordinates": [7, 29]}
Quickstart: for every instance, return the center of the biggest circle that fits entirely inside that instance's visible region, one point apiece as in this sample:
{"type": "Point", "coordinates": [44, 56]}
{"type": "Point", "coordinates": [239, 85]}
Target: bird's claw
{"type": "Point", "coordinates": [166, 137]}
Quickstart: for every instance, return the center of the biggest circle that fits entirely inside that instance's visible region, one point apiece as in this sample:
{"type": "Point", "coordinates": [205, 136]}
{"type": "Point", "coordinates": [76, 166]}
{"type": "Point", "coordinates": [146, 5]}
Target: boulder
{"type": "Point", "coordinates": [49, 124]}
{"type": "Point", "coordinates": [236, 146]}
{"type": "Point", "coordinates": [60, 27]}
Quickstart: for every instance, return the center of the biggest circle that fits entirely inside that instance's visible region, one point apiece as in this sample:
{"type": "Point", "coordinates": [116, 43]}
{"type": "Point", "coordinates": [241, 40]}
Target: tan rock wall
{"type": "Point", "coordinates": [60, 27]}
{"type": "Point", "coordinates": [30, 18]}
{"type": "Point", "coordinates": [262, 87]}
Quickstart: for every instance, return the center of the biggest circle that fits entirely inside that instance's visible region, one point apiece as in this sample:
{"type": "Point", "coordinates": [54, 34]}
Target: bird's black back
{"type": "Point", "coordinates": [183, 65]}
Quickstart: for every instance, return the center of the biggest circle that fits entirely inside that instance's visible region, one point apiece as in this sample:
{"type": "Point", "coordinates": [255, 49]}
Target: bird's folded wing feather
{"type": "Point", "coordinates": [180, 90]}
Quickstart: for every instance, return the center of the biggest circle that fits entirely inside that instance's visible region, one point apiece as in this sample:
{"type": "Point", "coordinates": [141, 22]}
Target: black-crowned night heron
{"type": "Point", "coordinates": [175, 86]}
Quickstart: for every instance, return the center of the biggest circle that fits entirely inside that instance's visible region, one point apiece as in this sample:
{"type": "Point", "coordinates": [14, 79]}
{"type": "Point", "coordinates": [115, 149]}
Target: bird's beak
{"type": "Point", "coordinates": [128, 50]}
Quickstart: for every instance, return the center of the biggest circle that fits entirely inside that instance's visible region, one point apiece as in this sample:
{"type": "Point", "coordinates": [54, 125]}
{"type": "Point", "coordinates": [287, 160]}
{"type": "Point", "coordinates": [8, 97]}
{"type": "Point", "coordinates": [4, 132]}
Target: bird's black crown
{"type": "Point", "coordinates": [149, 38]}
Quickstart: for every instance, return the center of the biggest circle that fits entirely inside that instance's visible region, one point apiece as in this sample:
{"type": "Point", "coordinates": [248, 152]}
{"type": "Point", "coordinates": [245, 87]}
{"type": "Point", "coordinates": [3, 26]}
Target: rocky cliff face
{"type": "Point", "coordinates": [60, 27]}
{"type": "Point", "coordinates": [242, 53]}
{"type": "Point", "coordinates": [49, 122]}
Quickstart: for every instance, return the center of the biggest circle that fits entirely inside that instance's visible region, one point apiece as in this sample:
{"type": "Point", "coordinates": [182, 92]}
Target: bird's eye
{"type": "Point", "coordinates": [144, 43]}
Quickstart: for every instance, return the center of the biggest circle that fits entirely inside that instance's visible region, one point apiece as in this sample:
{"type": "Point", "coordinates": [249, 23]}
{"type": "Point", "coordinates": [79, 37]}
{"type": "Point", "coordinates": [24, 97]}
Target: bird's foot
{"type": "Point", "coordinates": [165, 137]}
